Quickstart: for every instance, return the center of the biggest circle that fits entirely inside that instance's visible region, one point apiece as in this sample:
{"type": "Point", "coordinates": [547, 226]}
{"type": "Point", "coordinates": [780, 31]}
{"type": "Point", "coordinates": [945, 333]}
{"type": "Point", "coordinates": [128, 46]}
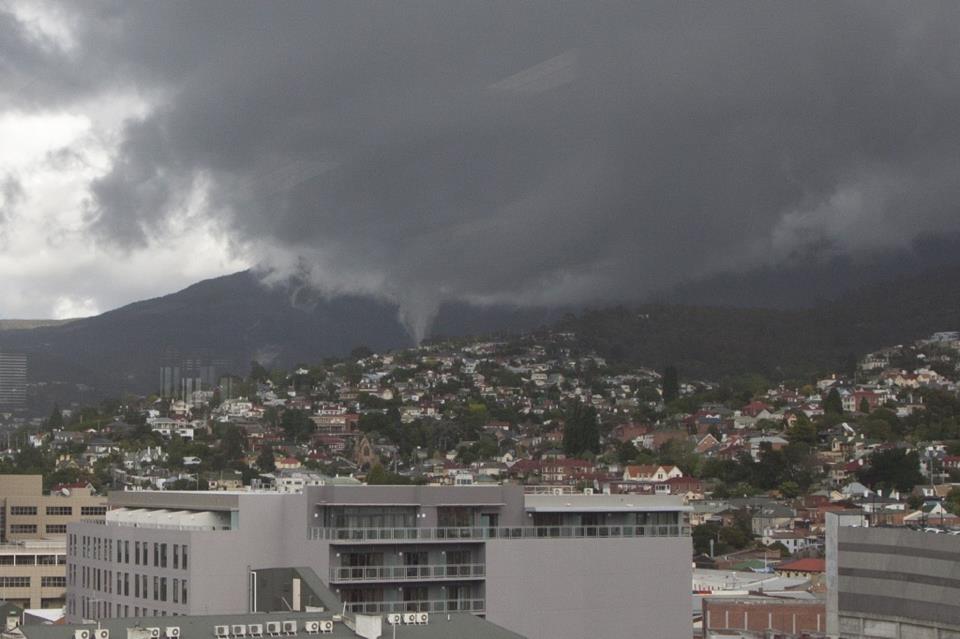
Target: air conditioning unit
{"type": "Point", "coordinates": [311, 627]}
{"type": "Point", "coordinates": [394, 618]}
{"type": "Point", "coordinates": [255, 629]}
{"type": "Point", "coordinates": [238, 630]}
{"type": "Point", "coordinates": [154, 633]}
{"type": "Point", "coordinates": [273, 628]}
{"type": "Point", "coordinates": [101, 633]}
{"type": "Point", "coordinates": [326, 626]}
{"type": "Point", "coordinates": [221, 631]}
{"type": "Point", "coordinates": [588, 491]}
{"type": "Point", "coordinates": [558, 491]}
{"type": "Point", "coordinates": [81, 634]}
{"type": "Point", "coordinates": [423, 618]}
{"type": "Point", "coordinates": [172, 632]}
{"type": "Point", "coordinates": [409, 617]}
{"type": "Point", "coordinates": [289, 627]}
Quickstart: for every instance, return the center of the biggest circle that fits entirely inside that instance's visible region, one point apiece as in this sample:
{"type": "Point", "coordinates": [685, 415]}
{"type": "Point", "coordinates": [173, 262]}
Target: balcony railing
{"type": "Point", "coordinates": [407, 573]}
{"type": "Point", "coordinates": [484, 533]}
{"type": "Point", "coordinates": [437, 605]}
{"type": "Point", "coordinates": [151, 525]}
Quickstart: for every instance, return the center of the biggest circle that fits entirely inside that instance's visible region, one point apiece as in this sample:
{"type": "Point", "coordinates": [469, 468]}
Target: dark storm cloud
{"type": "Point", "coordinates": [533, 152]}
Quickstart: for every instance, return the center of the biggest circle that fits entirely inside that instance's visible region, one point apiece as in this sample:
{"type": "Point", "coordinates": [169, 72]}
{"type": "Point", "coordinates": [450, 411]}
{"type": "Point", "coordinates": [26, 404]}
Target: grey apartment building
{"type": "Point", "coordinates": [892, 583]}
{"type": "Point", "coordinates": [557, 566]}
{"type": "Point", "coordinates": [13, 380]}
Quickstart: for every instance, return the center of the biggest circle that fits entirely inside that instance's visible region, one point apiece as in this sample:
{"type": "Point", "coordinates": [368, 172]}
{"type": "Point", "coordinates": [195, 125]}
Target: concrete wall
{"type": "Point", "coordinates": [893, 583]}
{"type": "Point", "coordinates": [568, 588]}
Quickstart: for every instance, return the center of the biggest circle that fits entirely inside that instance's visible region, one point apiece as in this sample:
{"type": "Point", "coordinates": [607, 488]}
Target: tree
{"type": "Point", "coordinates": [258, 373]}
{"type": "Point", "coordinates": [55, 421]}
{"type": "Point", "coordinates": [580, 431]}
{"type": "Point", "coordinates": [864, 405]}
{"type": "Point", "coordinates": [833, 403]}
{"type": "Point", "coordinates": [297, 424]}
{"type": "Point", "coordinates": [670, 384]}
{"type": "Point", "coordinates": [892, 469]}
{"type": "Point", "coordinates": [265, 459]}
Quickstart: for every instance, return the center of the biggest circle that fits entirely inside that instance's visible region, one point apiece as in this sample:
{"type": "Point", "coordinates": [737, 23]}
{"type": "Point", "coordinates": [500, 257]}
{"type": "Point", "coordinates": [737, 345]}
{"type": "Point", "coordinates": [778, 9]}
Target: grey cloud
{"type": "Point", "coordinates": [533, 152]}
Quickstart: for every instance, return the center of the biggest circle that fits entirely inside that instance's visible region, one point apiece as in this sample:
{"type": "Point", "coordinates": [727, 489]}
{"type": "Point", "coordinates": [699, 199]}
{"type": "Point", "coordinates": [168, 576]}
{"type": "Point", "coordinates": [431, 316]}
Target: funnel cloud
{"type": "Point", "coordinates": [524, 153]}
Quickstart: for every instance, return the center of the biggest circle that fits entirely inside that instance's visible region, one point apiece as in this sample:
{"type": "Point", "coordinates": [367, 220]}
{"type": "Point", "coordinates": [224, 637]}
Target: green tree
{"type": "Point", "coordinates": [833, 403]}
{"type": "Point", "coordinates": [864, 406]}
{"type": "Point", "coordinates": [892, 469]}
{"type": "Point", "coordinates": [265, 459]}
{"type": "Point", "coordinates": [297, 425]}
{"type": "Point", "coordinates": [670, 384]}
{"type": "Point", "coordinates": [55, 421]}
{"type": "Point", "coordinates": [581, 434]}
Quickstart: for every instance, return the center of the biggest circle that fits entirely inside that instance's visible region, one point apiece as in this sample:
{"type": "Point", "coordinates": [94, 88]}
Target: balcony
{"type": "Point", "coordinates": [437, 572]}
{"type": "Point", "coordinates": [350, 535]}
{"type": "Point", "coordinates": [433, 606]}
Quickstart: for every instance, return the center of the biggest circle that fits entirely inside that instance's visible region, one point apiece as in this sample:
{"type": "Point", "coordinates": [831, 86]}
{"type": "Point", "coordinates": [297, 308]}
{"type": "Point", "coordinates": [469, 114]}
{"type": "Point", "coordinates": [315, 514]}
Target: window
{"type": "Point", "coordinates": [163, 588]}
{"type": "Point", "coordinates": [93, 511]}
{"type": "Point", "coordinates": [53, 582]}
{"type": "Point", "coordinates": [156, 554]}
{"type": "Point", "coordinates": [183, 555]}
{"type": "Point", "coordinates": [126, 552]}
{"type": "Point", "coordinates": [183, 591]}
{"type": "Point", "coordinates": [23, 510]}
{"type": "Point", "coordinates": [163, 555]}
{"type": "Point", "coordinates": [136, 586]}
{"type": "Point", "coordinates": [136, 552]}
{"type": "Point", "coordinates": [23, 529]}
{"type": "Point", "coordinates": [176, 555]}
{"type": "Point", "coordinates": [56, 529]}
{"type": "Point", "coordinates": [176, 589]}
{"type": "Point", "coordinates": [156, 588]}
{"type": "Point", "coordinates": [60, 511]}
{"type": "Point", "coordinates": [14, 582]}
{"type": "Point", "coordinates": [47, 560]}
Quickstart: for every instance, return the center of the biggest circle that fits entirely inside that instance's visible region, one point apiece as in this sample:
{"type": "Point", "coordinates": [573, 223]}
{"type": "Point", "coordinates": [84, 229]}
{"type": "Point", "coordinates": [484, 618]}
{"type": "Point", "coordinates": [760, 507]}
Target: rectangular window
{"type": "Point", "coordinates": [60, 511]}
{"type": "Point", "coordinates": [56, 529]}
{"type": "Point", "coordinates": [136, 586]}
{"type": "Point", "coordinates": [136, 552]}
{"type": "Point", "coordinates": [163, 588]}
{"type": "Point", "coordinates": [176, 589]}
{"type": "Point", "coordinates": [47, 560]}
{"type": "Point", "coordinates": [156, 554]}
{"type": "Point", "coordinates": [176, 556]}
{"type": "Point", "coordinates": [14, 582]}
{"type": "Point", "coordinates": [23, 529]}
{"type": "Point", "coordinates": [156, 588]}
{"type": "Point", "coordinates": [183, 556]}
{"type": "Point", "coordinates": [163, 555]}
{"type": "Point", "coordinates": [53, 582]}
{"type": "Point", "coordinates": [126, 584]}
{"type": "Point", "coordinates": [93, 511]}
{"type": "Point", "coordinates": [183, 591]}
{"type": "Point", "coordinates": [23, 510]}
{"type": "Point", "coordinates": [126, 552]}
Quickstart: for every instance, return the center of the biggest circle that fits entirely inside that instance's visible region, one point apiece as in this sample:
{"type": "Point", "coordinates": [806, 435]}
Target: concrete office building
{"type": "Point", "coordinates": [558, 566]}
{"type": "Point", "coordinates": [29, 514]}
{"type": "Point", "coordinates": [33, 573]}
{"type": "Point", "coordinates": [13, 380]}
{"type": "Point", "coordinates": [891, 583]}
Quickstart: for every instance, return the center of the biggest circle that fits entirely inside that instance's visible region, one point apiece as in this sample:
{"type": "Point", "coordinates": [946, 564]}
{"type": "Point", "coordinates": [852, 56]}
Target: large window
{"type": "Point", "coordinates": [367, 517]}
{"type": "Point", "coordinates": [60, 510]}
{"type": "Point", "coordinates": [23, 510]}
{"type": "Point", "coordinates": [455, 517]}
{"type": "Point", "coordinates": [14, 582]}
{"type": "Point", "coordinates": [56, 529]}
{"type": "Point", "coordinates": [53, 582]}
{"type": "Point", "coordinates": [93, 511]}
{"type": "Point", "coordinates": [23, 529]}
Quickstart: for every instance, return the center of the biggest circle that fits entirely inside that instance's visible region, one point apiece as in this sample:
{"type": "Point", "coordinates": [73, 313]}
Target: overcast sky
{"type": "Point", "coordinates": [519, 152]}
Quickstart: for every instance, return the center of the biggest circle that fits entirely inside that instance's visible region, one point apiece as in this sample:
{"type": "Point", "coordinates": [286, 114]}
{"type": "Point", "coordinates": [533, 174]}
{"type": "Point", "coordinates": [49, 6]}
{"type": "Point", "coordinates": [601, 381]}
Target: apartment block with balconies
{"type": "Point", "coordinates": [540, 565]}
